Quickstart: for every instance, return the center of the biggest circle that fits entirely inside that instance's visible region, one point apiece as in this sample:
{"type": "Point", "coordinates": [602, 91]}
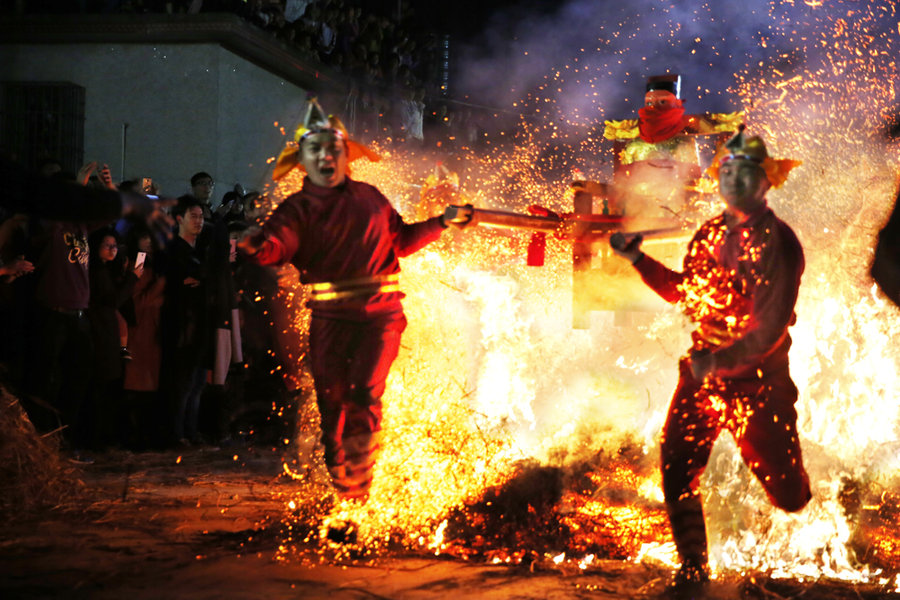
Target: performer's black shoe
{"type": "Point", "coordinates": [342, 533]}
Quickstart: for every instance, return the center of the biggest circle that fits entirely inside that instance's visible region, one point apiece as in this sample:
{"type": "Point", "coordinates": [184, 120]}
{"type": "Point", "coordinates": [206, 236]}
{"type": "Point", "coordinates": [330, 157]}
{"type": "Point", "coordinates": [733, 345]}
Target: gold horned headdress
{"type": "Point", "coordinates": [754, 149]}
{"type": "Point", "coordinates": [316, 122]}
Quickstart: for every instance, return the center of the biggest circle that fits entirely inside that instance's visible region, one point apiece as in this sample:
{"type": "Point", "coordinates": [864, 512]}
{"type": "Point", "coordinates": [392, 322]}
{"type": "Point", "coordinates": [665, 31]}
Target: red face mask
{"type": "Point", "coordinates": [661, 118]}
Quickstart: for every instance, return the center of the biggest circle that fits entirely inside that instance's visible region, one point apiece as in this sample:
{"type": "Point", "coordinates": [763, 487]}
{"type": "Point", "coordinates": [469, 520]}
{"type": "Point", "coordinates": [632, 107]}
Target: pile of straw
{"type": "Point", "coordinates": [33, 474]}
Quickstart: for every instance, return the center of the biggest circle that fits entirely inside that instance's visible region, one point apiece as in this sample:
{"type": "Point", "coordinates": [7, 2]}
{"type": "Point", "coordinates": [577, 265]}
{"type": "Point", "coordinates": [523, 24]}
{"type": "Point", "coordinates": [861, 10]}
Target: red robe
{"type": "Point", "coordinates": [343, 233]}
{"type": "Point", "coordinates": [335, 235]}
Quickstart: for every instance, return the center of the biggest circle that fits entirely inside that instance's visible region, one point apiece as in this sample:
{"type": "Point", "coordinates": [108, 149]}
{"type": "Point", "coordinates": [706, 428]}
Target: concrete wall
{"type": "Point", "coordinates": [188, 108]}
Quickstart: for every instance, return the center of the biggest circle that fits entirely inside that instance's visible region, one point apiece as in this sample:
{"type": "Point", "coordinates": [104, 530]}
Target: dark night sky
{"type": "Point", "coordinates": [599, 53]}
{"type": "Point", "coordinates": [462, 19]}
{"type": "Point", "coordinates": [465, 19]}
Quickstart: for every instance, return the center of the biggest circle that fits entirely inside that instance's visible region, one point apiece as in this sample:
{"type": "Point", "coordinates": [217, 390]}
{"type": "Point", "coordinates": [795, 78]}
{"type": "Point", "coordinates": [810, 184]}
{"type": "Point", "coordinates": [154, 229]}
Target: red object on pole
{"type": "Point", "coordinates": [536, 249]}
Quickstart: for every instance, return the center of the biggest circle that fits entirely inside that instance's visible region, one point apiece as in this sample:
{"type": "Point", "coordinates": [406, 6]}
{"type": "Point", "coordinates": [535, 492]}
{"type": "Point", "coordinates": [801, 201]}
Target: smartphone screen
{"type": "Point", "coordinates": [139, 261]}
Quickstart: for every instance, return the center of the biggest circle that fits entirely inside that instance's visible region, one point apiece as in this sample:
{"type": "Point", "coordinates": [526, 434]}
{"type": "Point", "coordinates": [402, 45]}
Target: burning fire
{"type": "Point", "coordinates": [510, 436]}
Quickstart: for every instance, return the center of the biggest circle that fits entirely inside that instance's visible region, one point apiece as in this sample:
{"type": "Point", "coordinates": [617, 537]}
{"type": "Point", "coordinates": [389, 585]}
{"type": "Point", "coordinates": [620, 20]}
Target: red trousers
{"type": "Point", "coordinates": [350, 362]}
{"type": "Point", "coordinates": [759, 413]}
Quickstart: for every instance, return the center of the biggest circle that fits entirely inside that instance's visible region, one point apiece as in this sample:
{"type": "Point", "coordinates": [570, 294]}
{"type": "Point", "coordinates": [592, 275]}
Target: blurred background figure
{"type": "Point", "coordinates": [143, 407]}
{"type": "Point", "coordinates": [14, 302]}
{"type": "Point", "coordinates": [186, 339]}
{"type": "Point", "coordinates": [886, 264]}
{"type": "Point", "coordinates": [112, 283]}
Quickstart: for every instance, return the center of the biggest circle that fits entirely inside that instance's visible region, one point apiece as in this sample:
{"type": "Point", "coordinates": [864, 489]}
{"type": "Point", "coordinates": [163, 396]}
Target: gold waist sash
{"type": "Point", "coordinates": [355, 288]}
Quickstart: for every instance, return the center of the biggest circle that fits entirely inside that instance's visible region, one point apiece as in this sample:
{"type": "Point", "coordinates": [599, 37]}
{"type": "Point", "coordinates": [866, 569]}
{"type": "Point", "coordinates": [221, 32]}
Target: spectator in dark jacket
{"type": "Point", "coordinates": [112, 283]}
{"type": "Point", "coordinates": [185, 323]}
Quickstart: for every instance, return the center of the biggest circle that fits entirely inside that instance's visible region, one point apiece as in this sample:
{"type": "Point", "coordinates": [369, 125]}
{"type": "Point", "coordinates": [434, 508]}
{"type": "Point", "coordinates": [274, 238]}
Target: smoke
{"type": "Point", "coordinates": [587, 61]}
{"type": "Point", "coordinates": [614, 48]}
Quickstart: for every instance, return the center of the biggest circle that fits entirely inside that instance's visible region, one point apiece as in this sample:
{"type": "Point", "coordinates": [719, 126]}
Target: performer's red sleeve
{"type": "Point", "coordinates": [410, 237]}
{"type": "Point", "coordinates": [661, 279]}
{"type": "Point", "coordinates": [280, 236]}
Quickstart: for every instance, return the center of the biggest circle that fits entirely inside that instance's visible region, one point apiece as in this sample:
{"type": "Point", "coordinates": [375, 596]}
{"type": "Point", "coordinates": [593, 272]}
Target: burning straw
{"type": "Point", "coordinates": [33, 474]}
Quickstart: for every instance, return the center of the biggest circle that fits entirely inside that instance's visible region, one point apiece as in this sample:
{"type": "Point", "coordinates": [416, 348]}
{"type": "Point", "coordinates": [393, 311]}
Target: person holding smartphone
{"type": "Point", "coordinates": [147, 425]}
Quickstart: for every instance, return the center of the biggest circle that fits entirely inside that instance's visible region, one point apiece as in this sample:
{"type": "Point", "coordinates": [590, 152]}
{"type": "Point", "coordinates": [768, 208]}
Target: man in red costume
{"type": "Point", "coordinates": [739, 284]}
{"type": "Point", "coordinates": [344, 237]}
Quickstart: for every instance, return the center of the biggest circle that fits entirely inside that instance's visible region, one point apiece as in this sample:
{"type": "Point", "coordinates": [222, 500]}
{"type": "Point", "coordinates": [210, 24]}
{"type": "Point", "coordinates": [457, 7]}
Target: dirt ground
{"type": "Point", "coordinates": [205, 523]}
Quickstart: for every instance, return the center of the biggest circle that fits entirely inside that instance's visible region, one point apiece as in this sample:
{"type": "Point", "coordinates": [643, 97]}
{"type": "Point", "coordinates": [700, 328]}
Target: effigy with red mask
{"type": "Point", "coordinates": [661, 117]}
{"type": "Point", "coordinates": [656, 158]}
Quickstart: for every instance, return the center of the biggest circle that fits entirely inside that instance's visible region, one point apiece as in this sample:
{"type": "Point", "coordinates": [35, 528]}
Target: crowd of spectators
{"type": "Point", "coordinates": [393, 70]}
{"type": "Point", "coordinates": [116, 335]}
{"type": "Point", "coordinates": [382, 50]}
